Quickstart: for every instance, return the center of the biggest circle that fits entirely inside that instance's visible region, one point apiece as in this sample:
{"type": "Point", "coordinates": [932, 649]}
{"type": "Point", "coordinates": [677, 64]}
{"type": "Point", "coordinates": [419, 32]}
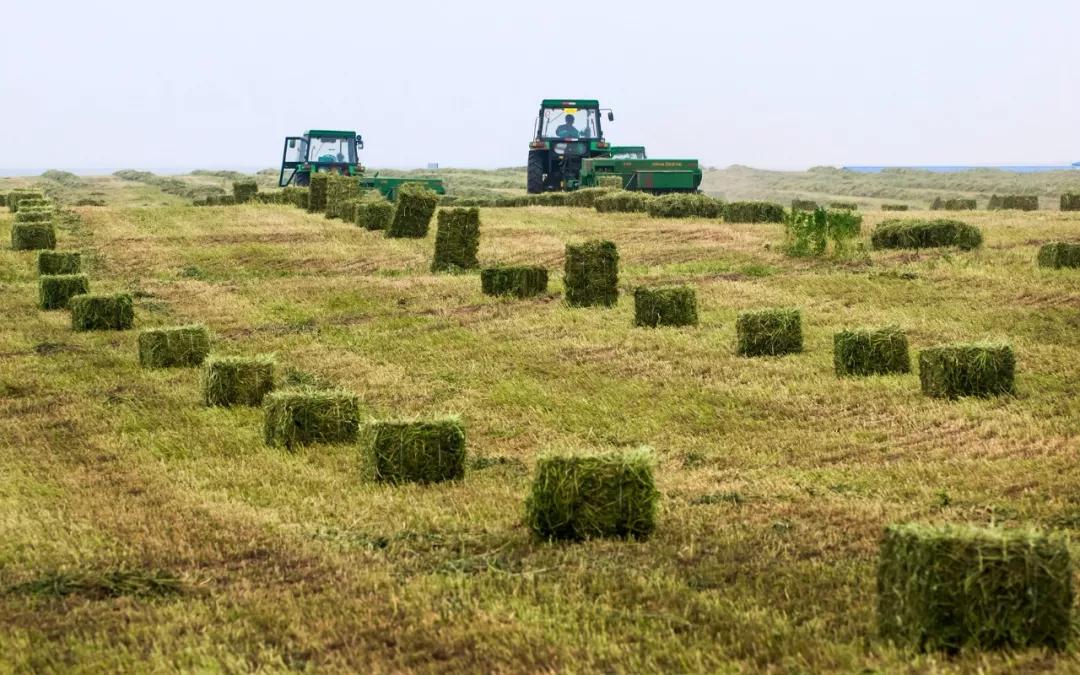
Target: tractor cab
{"type": "Point", "coordinates": [320, 150]}
{"type": "Point", "coordinates": [566, 132]}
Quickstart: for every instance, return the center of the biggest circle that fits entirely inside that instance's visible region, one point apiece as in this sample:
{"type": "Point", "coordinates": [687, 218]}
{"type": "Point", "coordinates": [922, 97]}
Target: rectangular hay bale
{"type": "Point", "coordinates": [577, 497]}
{"type": "Point", "coordinates": [56, 290]}
{"type": "Point", "coordinates": [102, 312]}
{"type": "Point", "coordinates": [305, 416]}
{"type": "Point", "coordinates": [804, 205]}
{"type": "Point", "coordinates": [374, 214]}
{"type": "Point", "coordinates": [1013, 203]}
{"type": "Point", "coordinates": [32, 236]}
{"type": "Point", "coordinates": [949, 587]}
{"type": "Point", "coordinates": [753, 212]}
{"type": "Point", "coordinates": [894, 207]}
{"type": "Point", "coordinates": [175, 347]}
{"type": "Point", "coordinates": [914, 233]}
{"type": "Point", "coordinates": [880, 351]}
{"type": "Point", "coordinates": [244, 190]}
{"type": "Point", "coordinates": [59, 262]}
{"type": "Point", "coordinates": [1070, 201]}
{"type": "Point", "coordinates": [412, 216]}
{"type": "Point", "coordinates": [952, 371]}
{"type": "Point", "coordinates": [591, 274]}
{"type": "Point", "coordinates": [665, 306]}
{"type": "Point", "coordinates": [341, 190]}
{"type": "Point", "coordinates": [769, 332]}
{"type": "Point", "coordinates": [317, 187]}
{"type": "Point", "coordinates": [1059, 254]}
{"type": "Point", "coordinates": [423, 451]}
{"type": "Point", "coordinates": [237, 380]}
{"type": "Point", "coordinates": [522, 281]}
{"type": "Point", "coordinates": [457, 239]}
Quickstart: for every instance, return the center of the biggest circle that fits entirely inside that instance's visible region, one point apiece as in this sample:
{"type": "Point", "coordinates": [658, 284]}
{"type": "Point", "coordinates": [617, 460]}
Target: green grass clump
{"type": "Point", "coordinates": [585, 197]}
{"type": "Point", "coordinates": [415, 451]}
{"type": "Point", "coordinates": [59, 262]}
{"type": "Point", "coordinates": [591, 274]}
{"type": "Point", "coordinates": [624, 201]}
{"type": "Point", "coordinates": [102, 312]}
{"type": "Point", "coordinates": [894, 207]}
{"type": "Point", "coordinates": [56, 290]}
{"type": "Point", "coordinates": [341, 192]}
{"type": "Point", "coordinates": [415, 206]}
{"type": "Point", "coordinates": [32, 236]}
{"type": "Point", "coordinates": [374, 214]}
{"type": "Point", "coordinates": [753, 212]}
{"type": "Point", "coordinates": [178, 347]}
{"type": "Point", "coordinates": [665, 306]}
{"type": "Point", "coordinates": [804, 205]}
{"type": "Point", "coordinates": [952, 371]}
{"type": "Point", "coordinates": [1070, 201]}
{"type": "Point", "coordinates": [950, 587]}
{"type": "Point", "coordinates": [925, 234]}
{"type": "Point", "coordinates": [1013, 202]}
{"type": "Point", "coordinates": [685, 205]}
{"type": "Point", "coordinates": [523, 282]}
{"type": "Point", "coordinates": [305, 416]}
{"type": "Point", "coordinates": [317, 186]}
{"type": "Point", "coordinates": [769, 332]}
{"type": "Point", "coordinates": [236, 380]}
{"type": "Point", "coordinates": [879, 351]}
{"type": "Point", "coordinates": [577, 497]}
{"type": "Point", "coordinates": [940, 204]}
{"type": "Point", "coordinates": [244, 190]}
{"type": "Point", "coordinates": [1059, 254]}
{"type": "Point", "coordinates": [457, 239]}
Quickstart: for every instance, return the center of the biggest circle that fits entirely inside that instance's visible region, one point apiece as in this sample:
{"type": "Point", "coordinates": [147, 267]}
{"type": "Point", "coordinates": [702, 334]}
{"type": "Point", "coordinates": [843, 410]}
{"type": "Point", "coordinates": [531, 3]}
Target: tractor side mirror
{"type": "Point", "coordinates": [360, 142]}
{"type": "Point", "coordinates": [610, 116]}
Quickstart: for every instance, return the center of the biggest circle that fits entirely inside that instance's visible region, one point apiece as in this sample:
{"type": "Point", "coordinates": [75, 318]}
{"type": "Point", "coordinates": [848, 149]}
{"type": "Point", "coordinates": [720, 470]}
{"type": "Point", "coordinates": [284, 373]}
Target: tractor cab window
{"type": "Point", "coordinates": [570, 123]}
{"type": "Point", "coordinates": [332, 149]}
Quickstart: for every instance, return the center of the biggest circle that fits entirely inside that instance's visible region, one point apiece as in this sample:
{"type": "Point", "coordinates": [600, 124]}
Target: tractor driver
{"type": "Point", "coordinates": [567, 129]}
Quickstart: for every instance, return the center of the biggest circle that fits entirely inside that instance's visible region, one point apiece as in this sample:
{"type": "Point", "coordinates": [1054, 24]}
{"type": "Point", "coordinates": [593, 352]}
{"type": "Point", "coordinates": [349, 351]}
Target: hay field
{"type": "Point", "coordinates": [140, 530]}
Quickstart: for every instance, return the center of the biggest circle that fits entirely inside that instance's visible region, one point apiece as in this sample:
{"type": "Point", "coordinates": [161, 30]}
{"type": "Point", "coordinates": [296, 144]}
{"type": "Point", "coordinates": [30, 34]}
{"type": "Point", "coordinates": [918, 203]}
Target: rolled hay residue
{"type": "Point", "coordinates": [1070, 201]}
{"type": "Point", "coordinates": [769, 332]}
{"type": "Point", "coordinates": [415, 206]}
{"type": "Point", "coordinates": [422, 451]}
{"type": "Point", "coordinates": [102, 312]}
{"type": "Point", "coordinates": [1013, 203]}
{"type": "Point", "coordinates": [952, 371]}
{"type": "Point", "coordinates": [1059, 254]}
{"type": "Point", "coordinates": [940, 204]}
{"type": "Point", "coordinates": [624, 201]}
{"type": "Point", "coordinates": [341, 191]}
{"type": "Point", "coordinates": [610, 182]}
{"type": "Point", "coordinates": [177, 347]}
{"type": "Point", "coordinates": [584, 198]}
{"type": "Point", "coordinates": [894, 207]}
{"type": "Point", "coordinates": [59, 262]}
{"type": "Point", "coordinates": [296, 417]}
{"type": "Point", "coordinates": [457, 239]}
{"type": "Point", "coordinates": [32, 236]}
{"type": "Point", "coordinates": [522, 281]}
{"type": "Point", "coordinates": [665, 306]}
{"type": "Point", "coordinates": [236, 380]}
{"type": "Point", "coordinates": [317, 187]}
{"type": "Point", "coordinates": [682, 205]}
{"type": "Point", "coordinates": [591, 274]}
{"type": "Point", "coordinates": [804, 205]}
{"type": "Point", "coordinates": [950, 587]}
{"type": "Point", "coordinates": [295, 195]}
{"type": "Point", "coordinates": [896, 233]}
{"type": "Point", "coordinates": [374, 214]}
{"type": "Point", "coordinates": [244, 190]}
{"type": "Point", "coordinates": [584, 496]}
{"type": "Point", "coordinates": [880, 351]}
{"type": "Point", "coordinates": [753, 212]}
{"type": "Point", "coordinates": [56, 290]}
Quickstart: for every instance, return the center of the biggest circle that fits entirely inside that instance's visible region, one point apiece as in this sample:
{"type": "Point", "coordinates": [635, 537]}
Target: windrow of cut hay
{"type": "Point", "coordinates": [916, 234]}
{"type": "Point", "coordinates": [174, 347]}
{"type": "Point", "coordinates": [520, 281]}
{"type": "Point", "coordinates": [457, 240]}
{"type": "Point", "coordinates": [415, 451]}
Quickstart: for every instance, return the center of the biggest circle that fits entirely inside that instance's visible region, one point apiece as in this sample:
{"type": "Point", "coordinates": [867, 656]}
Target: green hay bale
{"type": "Point", "coordinates": [844, 206]}
{"type": "Point", "coordinates": [1059, 254]}
{"type": "Point", "coordinates": [522, 282]}
{"type": "Point", "coordinates": [102, 312]}
{"type": "Point", "coordinates": [244, 190]}
{"type": "Point", "coordinates": [952, 371]}
{"type": "Point", "coordinates": [297, 196]}
{"type": "Point", "coordinates": [610, 182]}
{"type": "Point", "coordinates": [804, 205]}
{"type": "Point", "coordinates": [32, 236]}
{"type": "Point", "coordinates": [950, 587]}
{"type": "Point", "coordinates": [33, 216]}
{"type": "Point", "coordinates": [682, 205]}
{"type": "Point", "coordinates": [769, 332]}
{"type": "Point", "coordinates": [19, 194]}
{"type": "Point", "coordinates": [317, 188]}
{"type": "Point", "coordinates": [1014, 203]}
{"type": "Point", "coordinates": [375, 214]}
{"type": "Point", "coordinates": [666, 306]}
{"type": "Point", "coordinates": [591, 274]}
{"type": "Point", "coordinates": [235, 380]}
{"type": "Point", "coordinates": [940, 204]}
{"type": "Point", "coordinates": [624, 201]}
{"type": "Point", "coordinates": [894, 207]}
{"type": "Point", "coordinates": [3, 200]}
{"type": "Point", "coordinates": [1070, 201]}
{"type": "Point", "coordinates": [179, 347]}
{"type": "Point", "coordinates": [925, 234]}
{"type": "Point", "coordinates": [457, 239]}
{"type": "Point", "coordinates": [415, 451]}
{"type": "Point", "coordinates": [584, 198]}
{"type": "Point", "coordinates": [577, 497]}
{"type": "Point", "coordinates": [415, 206]}
{"type": "Point", "coordinates": [753, 212]}
{"type": "Point", "coordinates": [341, 191]}
{"type": "Point", "coordinates": [59, 262]}
{"type": "Point", "coordinates": [304, 416]}
{"type": "Point", "coordinates": [879, 351]}
{"type": "Point", "coordinates": [55, 290]}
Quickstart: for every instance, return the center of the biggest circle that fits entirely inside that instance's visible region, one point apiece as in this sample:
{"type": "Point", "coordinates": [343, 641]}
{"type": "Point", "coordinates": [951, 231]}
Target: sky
{"type": "Point", "coordinates": [770, 84]}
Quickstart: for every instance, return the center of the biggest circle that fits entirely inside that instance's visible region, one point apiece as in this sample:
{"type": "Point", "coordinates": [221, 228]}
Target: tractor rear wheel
{"type": "Point", "coordinates": [534, 183]}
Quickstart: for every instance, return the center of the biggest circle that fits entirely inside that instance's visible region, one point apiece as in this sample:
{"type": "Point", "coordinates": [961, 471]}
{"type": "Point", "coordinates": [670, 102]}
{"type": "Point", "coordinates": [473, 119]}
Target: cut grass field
{"type": "Point", "coordinates": [140, 530]}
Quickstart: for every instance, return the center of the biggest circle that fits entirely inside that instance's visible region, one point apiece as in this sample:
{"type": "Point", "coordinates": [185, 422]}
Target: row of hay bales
{"type": "Point", "coordinates": [34, 226]}
{"type": "Point", "coordinates": [1070, 201]}
{"type": "Point", "coordinates": [919, 234]}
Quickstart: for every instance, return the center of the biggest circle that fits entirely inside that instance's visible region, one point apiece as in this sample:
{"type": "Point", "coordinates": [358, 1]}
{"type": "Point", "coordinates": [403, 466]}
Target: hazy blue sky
{"type": "Point", "coordinates": [771, 84]}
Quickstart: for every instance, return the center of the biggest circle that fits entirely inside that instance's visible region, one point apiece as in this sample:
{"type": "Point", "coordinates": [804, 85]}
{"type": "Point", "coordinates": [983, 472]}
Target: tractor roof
{"type": "Point", "coordinates": [570, 103]}
{"type": "Point", "coordinates": [328, 132]}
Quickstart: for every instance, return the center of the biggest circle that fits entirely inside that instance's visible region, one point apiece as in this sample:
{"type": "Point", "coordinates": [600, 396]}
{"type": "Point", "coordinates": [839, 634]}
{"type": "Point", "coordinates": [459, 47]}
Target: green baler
{"type": "Point", "coordinates": [657, 176]}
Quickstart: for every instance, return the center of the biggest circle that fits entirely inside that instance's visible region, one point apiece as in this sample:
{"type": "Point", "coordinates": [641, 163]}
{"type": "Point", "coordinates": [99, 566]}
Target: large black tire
{"type": "Point", "coordinates": [534, 183]}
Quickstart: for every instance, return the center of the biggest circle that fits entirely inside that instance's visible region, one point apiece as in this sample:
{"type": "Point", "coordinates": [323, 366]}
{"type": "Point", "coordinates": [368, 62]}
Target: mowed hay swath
{"type": "Point", "coordinates": [412, 215]}
{"type": "Point", "coordinates": [237, 380]}
{"type": "Point", "coordinates": [305, 416]}
{"type": "Point", "coordinates": [521, 282]}
{"type": "Point", "coordinates": [374, 214]}
{"type": "Point", "coordinates": [583, 496]}
{"type": "Point", "coordinates": [457, 239]}
{"type": "Point", "coordinates": [32, 236]}
{"type": "Point", "coordinates": [1059, 254]}
{"type": "Point", "coordinates": [916, 234]}
{"type": "Point", "coordinates": [952, 371]}
{"type": "Point", "coordinates": [591, 274]}
{"type": "Point", "coordinates": [665, 306]}
{"type": "Point", "coordinates": [176, 347]}
{"type": "Point", "coordinates": [56, 290]}
{"type": "Point", "coordinates": [951, 587]}
{"type": "Point", "coordinates": [769, 332]}
{"type": "Point", "coordinates": [422, 451]}
{"type": "Point", "coordinates": [59, 262]}
{"type": "Point", "coordinates": [102, 312]}
{"type": "Point", "coordinates": [880, 351]}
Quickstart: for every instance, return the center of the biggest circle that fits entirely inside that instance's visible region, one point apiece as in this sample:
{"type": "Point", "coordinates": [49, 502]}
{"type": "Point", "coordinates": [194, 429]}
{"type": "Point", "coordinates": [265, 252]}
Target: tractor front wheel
{"type": "Point", "coordinates": [534, 183]}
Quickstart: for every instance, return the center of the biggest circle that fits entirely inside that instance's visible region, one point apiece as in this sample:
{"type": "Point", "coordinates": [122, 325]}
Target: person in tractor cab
{"type": "Point", "coordinates": [567, 129]}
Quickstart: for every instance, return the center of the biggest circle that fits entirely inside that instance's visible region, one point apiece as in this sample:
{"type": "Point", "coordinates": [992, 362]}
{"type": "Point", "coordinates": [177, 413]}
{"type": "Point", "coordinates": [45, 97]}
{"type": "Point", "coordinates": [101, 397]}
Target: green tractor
{"type": "Point", "coordinates": [567, 132]}
{"type": "Point", "coordinates": [322, 150]}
